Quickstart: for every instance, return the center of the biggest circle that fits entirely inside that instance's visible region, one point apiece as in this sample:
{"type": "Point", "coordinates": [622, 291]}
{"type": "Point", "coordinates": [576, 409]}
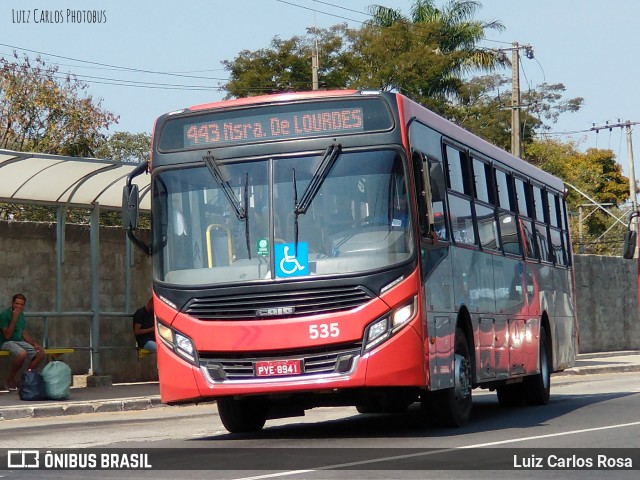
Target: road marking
{"type": "Point", "coordinates": [439, 451]}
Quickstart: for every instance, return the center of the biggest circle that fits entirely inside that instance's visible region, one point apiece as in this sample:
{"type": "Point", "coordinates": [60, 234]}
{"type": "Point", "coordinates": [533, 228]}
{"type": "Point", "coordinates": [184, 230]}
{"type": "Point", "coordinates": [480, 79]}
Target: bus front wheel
{"type": "Point", "coordinates": [452, 407]}
{"type": "Point", "coordinates": [243, 415]}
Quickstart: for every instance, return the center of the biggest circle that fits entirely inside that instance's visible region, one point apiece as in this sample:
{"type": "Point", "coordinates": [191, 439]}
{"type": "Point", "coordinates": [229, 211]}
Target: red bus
{"type": "Point", "coordinates": [341, 248]}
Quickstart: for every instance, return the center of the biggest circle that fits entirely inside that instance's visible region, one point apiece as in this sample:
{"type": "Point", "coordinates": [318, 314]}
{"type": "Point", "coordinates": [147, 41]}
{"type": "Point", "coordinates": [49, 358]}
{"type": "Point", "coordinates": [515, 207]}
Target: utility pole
{"type": "Point", "coordinates": [515, 100]}
{"type": "Point", "coordinates": [314, 67]}
{"type": "Point", "coordinates": [632, 175]}
{"type": "Point", "coordinates": [516, 106]}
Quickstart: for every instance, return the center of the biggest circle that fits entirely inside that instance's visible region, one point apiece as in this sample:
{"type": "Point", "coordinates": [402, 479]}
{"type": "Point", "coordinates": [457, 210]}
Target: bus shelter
{"type": "Point", "coordinates": [73, 182]}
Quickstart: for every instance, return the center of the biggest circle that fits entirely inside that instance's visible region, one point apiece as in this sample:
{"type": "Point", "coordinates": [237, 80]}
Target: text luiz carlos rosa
{"type": "Point", "coordinates": [571, 462]}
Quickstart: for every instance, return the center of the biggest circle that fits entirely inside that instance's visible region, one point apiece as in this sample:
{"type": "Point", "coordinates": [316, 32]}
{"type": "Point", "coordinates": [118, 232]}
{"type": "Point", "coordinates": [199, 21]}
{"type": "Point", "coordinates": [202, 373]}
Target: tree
{"type": "Point", "coordinates": [45, 111]}
{"type": "Point", "coordinates": [286, 65]}
{"type": "Point", "coordinates": [450, 33]}
{"type": "Point", "coordinates": [423, 56]}
{"type": "Point", "coordinates": [126, 147]}
{"type": "Point", "coordinates": [596, 174]}
{"type": "Point", "coordinates": [483, 107]}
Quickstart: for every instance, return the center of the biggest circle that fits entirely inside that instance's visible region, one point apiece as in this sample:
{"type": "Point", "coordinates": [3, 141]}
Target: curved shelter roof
{"type": "Point", "coordinates": [71, 181]}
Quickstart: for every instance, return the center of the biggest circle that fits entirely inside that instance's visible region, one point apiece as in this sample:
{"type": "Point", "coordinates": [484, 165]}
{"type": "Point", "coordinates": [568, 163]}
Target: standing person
{"type": "Point", "coordinates": [17, 341]}
{"type": "Point", "coordinates": [144, 327]}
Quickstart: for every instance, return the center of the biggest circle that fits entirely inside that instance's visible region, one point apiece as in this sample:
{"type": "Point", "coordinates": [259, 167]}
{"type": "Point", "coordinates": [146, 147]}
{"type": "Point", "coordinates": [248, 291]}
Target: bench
{"type": "Point", "coordinates": [52, 353]}
{"type": "Point", "coordinates": [143, 352]}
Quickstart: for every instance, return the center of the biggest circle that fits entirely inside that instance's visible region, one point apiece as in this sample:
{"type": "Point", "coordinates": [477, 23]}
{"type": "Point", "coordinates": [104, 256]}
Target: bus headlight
{"type": "Point", "coordinates": [165, 333]}
{"type": "Point", "coordinates": [178, 342]}
{"type": "Point", "coordinates": [184, 347]}
{"type": "Point", "coordinates": [380, 330]}
{"type": "Point", "coordinates": [376, 333]}
{"type": "Point", "coordinates": [403, 314]}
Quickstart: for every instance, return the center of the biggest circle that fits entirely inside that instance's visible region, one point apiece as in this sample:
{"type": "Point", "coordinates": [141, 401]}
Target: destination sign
{"type": "Point", "coordinates": [276, 126]}
{"type": "Point", "coordinates": [267, 123]}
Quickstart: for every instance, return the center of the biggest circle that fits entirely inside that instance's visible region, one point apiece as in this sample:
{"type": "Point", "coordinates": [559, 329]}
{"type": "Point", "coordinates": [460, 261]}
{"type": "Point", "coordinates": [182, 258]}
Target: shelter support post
{"type": "Point", "coordinates": [94, 239]}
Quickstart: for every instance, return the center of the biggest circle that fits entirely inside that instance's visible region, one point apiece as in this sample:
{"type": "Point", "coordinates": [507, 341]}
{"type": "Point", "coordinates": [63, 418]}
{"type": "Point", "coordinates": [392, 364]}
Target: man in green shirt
{"type": "Point", "coordinates": [15, 339]}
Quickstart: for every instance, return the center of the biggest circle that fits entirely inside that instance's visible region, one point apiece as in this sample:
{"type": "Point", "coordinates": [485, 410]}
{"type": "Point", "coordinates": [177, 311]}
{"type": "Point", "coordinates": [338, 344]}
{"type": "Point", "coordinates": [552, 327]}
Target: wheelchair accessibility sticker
{"type": "Point", "coordinates": [288, 264]}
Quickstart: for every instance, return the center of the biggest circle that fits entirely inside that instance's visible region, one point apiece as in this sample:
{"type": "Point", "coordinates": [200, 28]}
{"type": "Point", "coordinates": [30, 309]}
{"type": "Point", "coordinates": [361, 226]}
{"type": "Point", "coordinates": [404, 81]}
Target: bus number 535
{"type": "Point", "coordinates": [324, 330]}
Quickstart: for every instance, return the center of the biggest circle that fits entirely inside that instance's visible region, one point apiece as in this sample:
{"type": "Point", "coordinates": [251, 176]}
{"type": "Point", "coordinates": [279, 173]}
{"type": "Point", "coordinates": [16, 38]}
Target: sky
{"type": "Point", "coordinates": [174, 50]}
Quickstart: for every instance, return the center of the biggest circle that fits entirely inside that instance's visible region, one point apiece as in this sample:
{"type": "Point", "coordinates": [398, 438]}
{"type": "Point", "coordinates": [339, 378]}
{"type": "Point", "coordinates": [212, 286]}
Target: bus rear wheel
{"type": "Point", "coordinates": [243, 415]}
{"type": "Point", "coordinates": [537, 388]}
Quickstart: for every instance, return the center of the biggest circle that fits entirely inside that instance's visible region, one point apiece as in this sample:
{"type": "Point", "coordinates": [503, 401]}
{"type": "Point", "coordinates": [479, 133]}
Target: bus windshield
{"type": "Point", "coordinates": [358, 219]}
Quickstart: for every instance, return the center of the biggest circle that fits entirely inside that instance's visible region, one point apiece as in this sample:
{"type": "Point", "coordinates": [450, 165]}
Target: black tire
{"type": "Point", "coordinates": [537, 388]}
{"type": "Point", "coordinates": [511, 395]}
{"type": "Point", "coordinates": [243, 415]}
{"type": "Point", "coordinates": [452, 407]}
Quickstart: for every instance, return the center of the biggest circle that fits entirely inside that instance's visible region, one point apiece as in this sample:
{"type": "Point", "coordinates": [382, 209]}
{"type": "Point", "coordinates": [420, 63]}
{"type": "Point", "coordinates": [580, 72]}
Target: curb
{"type": "Point", "coordinates": [599, 370]}
{"type": "Point", "coordinates": [45, 410]}
{"type": "Point", "coordinates": [76, 408]}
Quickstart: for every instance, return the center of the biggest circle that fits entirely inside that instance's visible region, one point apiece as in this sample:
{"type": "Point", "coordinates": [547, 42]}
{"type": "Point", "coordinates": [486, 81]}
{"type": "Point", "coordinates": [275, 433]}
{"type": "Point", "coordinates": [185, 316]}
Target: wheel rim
{"type": "Point", "coordinates": [462, 378]}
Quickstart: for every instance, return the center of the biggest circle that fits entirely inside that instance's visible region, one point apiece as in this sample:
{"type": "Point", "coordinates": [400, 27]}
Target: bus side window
{"type": "Point", "coordinates": [438, 189]}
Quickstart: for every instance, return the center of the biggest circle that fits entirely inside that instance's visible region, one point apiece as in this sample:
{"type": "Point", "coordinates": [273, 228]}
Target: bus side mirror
{"type": "Point", "coordinates": [130, 207]}
{"type": "Point", "coordinates": [630, 242]}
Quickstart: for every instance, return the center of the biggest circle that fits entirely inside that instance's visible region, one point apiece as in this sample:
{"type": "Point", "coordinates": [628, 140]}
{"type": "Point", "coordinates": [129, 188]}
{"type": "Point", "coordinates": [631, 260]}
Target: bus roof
{"type": "Point", "coordinates": [274, 98]}
{"type": "Point", "coordinates": [411, 109]}
{"type": "Point", "coordinates": [481, 146]}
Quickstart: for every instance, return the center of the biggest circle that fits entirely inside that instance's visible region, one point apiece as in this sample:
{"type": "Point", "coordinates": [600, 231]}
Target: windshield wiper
{"type": "Point", "coordinates": [247, 235]}
{"type": "Point", "coordinates": [241, 212]}
{"type": "Point", "coordinates": [328, 159]}
{"type": "Point", "coordinates": [210, 162]}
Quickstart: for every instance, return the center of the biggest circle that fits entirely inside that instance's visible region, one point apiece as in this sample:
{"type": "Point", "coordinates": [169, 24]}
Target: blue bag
{"type": "Point", "coordinates": [32, 386]}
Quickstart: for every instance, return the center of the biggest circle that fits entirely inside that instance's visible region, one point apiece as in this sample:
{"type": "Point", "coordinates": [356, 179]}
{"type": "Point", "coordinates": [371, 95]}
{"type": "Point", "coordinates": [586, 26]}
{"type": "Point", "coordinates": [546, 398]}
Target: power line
{"type": "Point", "coordinates": [117, 67]}
{"type": "Point", "coordinates": [324, 13]}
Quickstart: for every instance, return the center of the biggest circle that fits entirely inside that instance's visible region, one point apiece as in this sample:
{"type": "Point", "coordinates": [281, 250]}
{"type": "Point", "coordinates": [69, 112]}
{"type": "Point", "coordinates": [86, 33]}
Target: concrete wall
{"type": "Point", "coordinates": [28, 265]}
{"type": "Point", "coordinates": [607, 303]}
{"type": "Point", "coordinates": [607, 296]}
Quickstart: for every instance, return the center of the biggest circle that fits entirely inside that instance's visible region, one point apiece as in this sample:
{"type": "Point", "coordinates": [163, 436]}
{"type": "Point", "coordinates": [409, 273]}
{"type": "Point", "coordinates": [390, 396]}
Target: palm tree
{"type": "Point", "coordinates": [450, 31]}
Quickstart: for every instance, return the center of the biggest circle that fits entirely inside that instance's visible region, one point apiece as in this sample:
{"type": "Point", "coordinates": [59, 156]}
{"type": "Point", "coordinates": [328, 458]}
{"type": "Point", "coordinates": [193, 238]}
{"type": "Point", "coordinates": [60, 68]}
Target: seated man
{"type": "Point", "coordinates": [15, 339]}
{"type": "Point", "coordinates": [144, 327]}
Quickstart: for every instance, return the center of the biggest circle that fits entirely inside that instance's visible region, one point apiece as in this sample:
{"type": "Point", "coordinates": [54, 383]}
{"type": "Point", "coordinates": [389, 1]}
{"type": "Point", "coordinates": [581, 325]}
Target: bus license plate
{"type": "Point", "coordinates": [274, 368]}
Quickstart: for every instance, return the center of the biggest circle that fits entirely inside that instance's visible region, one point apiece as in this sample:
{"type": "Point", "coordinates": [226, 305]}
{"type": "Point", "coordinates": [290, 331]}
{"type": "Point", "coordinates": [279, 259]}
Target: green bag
{"type": "Point", "coordinates": [57, 380]}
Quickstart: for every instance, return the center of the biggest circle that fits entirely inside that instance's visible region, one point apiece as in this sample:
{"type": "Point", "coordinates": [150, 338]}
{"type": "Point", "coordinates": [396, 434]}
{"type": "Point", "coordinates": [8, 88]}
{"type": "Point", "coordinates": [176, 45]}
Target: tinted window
{"type": "Point", "coordinates": [456, 169]}
{"type": "Point", "coordinates": [538, 203]}
{"type": "Point", "coordinates": [553, 210]}
{"type": "Point", "coordinates": [509, 233]}
{"type": "Point", "coordinates": [461, 220]}
{"type": "Point", "coordinates": [487, 228]}
{"type": "Point", "coordinates": [480, 170]}
{"type": "Point", "coordinates": [521, 196]}
{"type": "Point", "coordinates": [502, 183]}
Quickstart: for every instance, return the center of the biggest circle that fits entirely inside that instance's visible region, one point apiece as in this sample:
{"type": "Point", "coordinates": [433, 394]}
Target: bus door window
{"type": "Point", "coordinates": [438, 189]}
{"type": "Point", "coordinates": [433, 252]}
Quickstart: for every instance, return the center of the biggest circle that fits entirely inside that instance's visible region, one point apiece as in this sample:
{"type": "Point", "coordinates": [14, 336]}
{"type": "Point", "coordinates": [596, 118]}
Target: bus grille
{"type": "Point", "coordinates": [278, 303]}
{"type": "Point", "coordinates": [337, 359]}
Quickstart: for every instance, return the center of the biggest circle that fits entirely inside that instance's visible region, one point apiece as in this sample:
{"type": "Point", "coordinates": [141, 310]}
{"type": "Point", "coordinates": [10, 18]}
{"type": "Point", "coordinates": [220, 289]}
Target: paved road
{"type": "Point", "coordinates": [587, 411]}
